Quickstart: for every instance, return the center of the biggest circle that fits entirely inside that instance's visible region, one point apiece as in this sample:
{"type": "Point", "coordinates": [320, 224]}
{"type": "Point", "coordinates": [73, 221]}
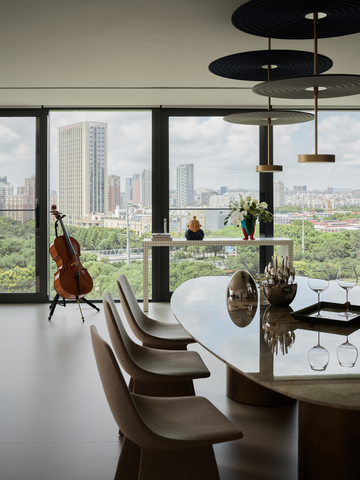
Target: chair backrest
{"type": "Point", "coordinates": [136, 318]}
{"type": "Point", "coordinates": [123, 345]}
{"type": "Point", "coordinates": [117, 393]}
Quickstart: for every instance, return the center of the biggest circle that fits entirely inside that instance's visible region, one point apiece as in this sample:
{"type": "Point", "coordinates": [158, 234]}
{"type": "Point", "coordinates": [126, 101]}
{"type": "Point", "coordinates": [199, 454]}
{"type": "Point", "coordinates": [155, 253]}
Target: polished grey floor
{"type": "Point", "coordinates": [55, 423]}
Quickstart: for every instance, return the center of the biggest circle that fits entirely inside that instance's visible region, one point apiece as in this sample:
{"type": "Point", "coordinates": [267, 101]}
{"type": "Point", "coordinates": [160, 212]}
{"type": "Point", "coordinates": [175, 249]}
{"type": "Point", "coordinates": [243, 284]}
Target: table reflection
{"type": "Point", "coordinates": [279, 334]}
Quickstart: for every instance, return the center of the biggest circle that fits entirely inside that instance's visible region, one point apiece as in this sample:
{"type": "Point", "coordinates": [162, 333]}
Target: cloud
{"type": "Point", "coordinates": [224, 154]}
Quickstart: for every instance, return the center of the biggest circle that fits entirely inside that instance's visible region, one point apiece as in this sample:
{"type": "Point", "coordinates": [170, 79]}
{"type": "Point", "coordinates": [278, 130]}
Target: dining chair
{"type": "Point", "coordinates": [152, 333]}
{"type": "Point", "coordinates": [165, 438]}
{"type": "Point", "coordinates": [153, 372]}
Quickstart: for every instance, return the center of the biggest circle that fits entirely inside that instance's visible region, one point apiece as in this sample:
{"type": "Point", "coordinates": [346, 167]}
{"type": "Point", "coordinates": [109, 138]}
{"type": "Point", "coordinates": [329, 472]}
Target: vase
{"type": "Point", "coordinates": [248, 227]}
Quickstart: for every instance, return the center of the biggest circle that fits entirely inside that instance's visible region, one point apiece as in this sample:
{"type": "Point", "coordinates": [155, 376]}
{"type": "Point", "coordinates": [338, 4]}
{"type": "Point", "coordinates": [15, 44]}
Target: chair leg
{"type": "Point", "coordinates": [129, 461]}
{"type": "Point", "coordinates": [189, 464]}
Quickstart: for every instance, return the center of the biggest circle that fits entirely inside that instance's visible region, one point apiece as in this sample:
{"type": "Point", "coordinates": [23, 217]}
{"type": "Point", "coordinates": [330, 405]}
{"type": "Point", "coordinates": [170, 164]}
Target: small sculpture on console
{"type": "Point", "coordinates": [194, 232]}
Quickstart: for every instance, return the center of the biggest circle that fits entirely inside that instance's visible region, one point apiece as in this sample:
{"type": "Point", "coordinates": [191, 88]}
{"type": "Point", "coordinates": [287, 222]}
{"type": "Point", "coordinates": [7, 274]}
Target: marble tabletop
{"type": "Point", "coordinates": [248, 346]}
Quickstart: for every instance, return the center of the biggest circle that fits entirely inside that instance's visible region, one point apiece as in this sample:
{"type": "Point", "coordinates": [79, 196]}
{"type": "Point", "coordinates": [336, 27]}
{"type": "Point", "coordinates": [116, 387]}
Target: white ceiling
{"type": "Point", "coordinates": [138, 53]}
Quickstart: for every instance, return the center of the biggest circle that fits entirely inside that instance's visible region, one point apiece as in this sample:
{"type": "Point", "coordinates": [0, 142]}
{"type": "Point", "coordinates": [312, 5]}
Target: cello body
{"type": "Point", "coordinates": [72, 280]}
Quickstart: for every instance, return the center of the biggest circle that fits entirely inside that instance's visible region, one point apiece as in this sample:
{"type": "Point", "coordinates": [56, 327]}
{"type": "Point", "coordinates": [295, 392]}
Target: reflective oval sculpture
{"type": "Point", "coordinates": [242, 298]}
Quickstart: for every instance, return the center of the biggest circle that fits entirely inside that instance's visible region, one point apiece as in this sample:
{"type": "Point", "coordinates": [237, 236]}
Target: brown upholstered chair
{"type": "Point", "coordinates": [152, 333]}
{"type": "Point", "coordinates": [165, 438]}
{"type": "Point", "coordinates": [160, 373]}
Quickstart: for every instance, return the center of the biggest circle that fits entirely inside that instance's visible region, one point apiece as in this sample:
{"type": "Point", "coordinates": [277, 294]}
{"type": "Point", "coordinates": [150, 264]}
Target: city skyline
{"type": "Point", "coordinates": [202, 141]}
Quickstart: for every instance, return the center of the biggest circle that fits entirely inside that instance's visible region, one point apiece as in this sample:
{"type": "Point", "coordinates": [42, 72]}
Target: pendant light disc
{"type": "Point", "coordinates": [252, 66]}
{"type": "Point", "coordinates": [269, 168]}
{"type": "Point", "coordinates": [278, 117]}
{"type": "Point", "coordinates": [312, 158]}
{"type": "Point", "coordinates": [290, 19]}
{"type": "Point", "coordinates": [300, 87]}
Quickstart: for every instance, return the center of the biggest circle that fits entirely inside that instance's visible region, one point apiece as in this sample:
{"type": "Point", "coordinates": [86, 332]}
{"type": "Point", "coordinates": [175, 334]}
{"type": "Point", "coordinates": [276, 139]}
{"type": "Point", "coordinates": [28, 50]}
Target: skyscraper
{"type": "Point", "coordinates": [113, 197]}
{"type": "Point", "coordinates": [6, 189]}
{"type": "Point", "coordinates": [82, 170]}
{"type": "Point", "coordinates": [136, 188]}
{"type": "Point", "coordinates": [278, 193]}
{"type": "Point", "coordinates": [146, 187]}
{"type": "Point", "coordinates": [128, 190]}
{"type": "Point", "coordinates": [185, 185]}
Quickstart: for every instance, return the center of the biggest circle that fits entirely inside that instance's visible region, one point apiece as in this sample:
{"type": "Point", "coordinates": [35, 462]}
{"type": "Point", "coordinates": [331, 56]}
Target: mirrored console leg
{"type": "Point", "coordinates": [329, 440]}
{"type": "Point", "coordinates": [243, 390]}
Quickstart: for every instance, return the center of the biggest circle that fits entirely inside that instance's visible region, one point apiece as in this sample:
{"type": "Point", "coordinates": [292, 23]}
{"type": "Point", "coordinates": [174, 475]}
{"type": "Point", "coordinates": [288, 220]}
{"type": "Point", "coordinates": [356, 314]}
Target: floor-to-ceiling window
{"type": "Point", "coordinates": [101, 180]}
{"type": "Point", "coordinates": [318, 205]}
{"type": "Point", "coordinates": [211, 163]}
{"type": "Point", "coordinates": [23, 188]}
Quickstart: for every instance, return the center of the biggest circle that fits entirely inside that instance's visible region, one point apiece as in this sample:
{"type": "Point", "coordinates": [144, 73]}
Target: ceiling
{"type": "Point", "coordinates": [92, 53]}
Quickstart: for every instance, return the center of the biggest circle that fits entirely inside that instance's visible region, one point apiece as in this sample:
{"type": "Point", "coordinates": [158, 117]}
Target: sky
{"type": "Point", "coordinates": [223, 154]}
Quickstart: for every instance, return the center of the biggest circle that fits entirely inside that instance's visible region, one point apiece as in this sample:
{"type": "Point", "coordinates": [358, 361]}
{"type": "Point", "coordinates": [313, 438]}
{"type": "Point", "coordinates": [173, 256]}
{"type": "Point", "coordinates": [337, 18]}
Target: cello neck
{"type": "Point", "coordinates": [66, 235]}
{"type": "Point", "coordinates": [67, 238]}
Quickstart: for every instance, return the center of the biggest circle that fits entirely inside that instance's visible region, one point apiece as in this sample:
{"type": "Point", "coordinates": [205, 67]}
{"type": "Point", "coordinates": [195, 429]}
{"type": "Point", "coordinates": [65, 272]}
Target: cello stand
{"type": "Point", "coordinates": [63, 304]}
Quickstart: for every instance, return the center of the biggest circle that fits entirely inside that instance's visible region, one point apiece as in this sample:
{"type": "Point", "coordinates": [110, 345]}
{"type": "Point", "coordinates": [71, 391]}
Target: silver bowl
{"type": "Point", "coordinates": [279, 295]}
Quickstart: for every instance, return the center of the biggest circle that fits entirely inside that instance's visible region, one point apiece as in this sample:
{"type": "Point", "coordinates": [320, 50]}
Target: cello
{"type": "Point", "coordinates": [72, 280]}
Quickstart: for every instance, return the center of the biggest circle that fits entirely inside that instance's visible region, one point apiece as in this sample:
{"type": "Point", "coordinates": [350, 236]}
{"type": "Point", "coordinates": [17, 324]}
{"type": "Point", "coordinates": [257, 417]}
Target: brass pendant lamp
{"type": "Point", "coordinates": [292, 20]}
{"type": "Point", "coordinates": [316, 157]}
{"type": "Point", "coordinates": [271, 117]}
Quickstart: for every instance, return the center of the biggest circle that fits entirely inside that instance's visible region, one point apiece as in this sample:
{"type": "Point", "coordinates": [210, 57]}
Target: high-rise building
{"type": "Point", "coordinates": [82, 170]}
{"type": "Point", "coordinates": [113, 196]}
{"type": "Point", "coordinates": [136, 188]}
{"type": "Point", "coordinates": [29, 190]}
{"type": "Point", "coordinates": [278, 193]}
{"type": "Point", "coordinates": [6, 189]}
{"type": "Point", "coordinates": [299, 188]}
{"type": "Point", "coordinates": [18, 207]}
{"type": "Point", "coordinates": [128, 190]}
{"type": "Point", "coordinates": [146, 187]}
{"type": "Point", "coordinates": [185, 185]}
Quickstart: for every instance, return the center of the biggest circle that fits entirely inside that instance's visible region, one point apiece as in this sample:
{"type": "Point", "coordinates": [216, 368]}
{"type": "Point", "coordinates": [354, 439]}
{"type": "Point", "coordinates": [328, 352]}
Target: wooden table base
{"type": "Point", "coordinates": [243, 390]}
{"type": "Point", "coordinates": [329, 440]}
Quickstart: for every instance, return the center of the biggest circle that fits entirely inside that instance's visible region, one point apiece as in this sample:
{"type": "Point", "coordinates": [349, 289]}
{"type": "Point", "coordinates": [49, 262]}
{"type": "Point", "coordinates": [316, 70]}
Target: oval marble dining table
{"type": "Point", "coordinates": [271, 360]}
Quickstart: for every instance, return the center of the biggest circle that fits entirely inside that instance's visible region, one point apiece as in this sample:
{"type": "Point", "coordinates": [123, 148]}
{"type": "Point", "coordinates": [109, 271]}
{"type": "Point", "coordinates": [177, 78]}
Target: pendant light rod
{"type": "Point", "coordinates": [268, 168]}
{"type": "Point", "coordinates": [316, 91]}
{"type": "Point", "coordinates": [316, 157]}
{"type": "Point", "coordinates": [269, 144]}
{"type": "Point", "coordinates": [269, 108]}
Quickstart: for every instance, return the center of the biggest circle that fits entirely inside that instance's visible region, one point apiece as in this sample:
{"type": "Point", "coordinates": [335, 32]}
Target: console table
{"type": "Point", "coordinates": [285, 243]}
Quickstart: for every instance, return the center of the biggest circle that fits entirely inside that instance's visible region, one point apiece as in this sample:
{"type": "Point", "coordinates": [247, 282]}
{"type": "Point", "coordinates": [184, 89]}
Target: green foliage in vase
{"type": "Point", "coordinates": [246, 208]}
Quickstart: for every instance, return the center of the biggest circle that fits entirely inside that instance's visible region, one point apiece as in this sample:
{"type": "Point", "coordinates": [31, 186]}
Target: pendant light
{"type": "Point", "coordinates": [291, 20]}
{"type": "Point", "coordinates": [237, 66]}
{"type": "Point", "coordinates": [316, 157]}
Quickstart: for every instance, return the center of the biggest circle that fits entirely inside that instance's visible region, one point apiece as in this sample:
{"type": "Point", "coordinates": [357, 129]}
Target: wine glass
{"type": "Point", "coordinates": [347, 279]}
{"type": "Point", "coordinates": [347, 354]}
{"type": "Point", "coordinates": [318, 357]}
{"type": "Point", "coordinates": [318, 281]}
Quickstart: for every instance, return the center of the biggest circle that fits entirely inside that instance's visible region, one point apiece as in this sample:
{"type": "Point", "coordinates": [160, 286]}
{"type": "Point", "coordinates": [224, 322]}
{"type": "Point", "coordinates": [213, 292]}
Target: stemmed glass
{"type": "Point", "coordinates": [318, 281]}
{"type": "Point", "coordinates": [347, 279]}
{"type": "Point", "coordinates": [318, 357]}
{"type": "Point", "coordinates": [347, 354]}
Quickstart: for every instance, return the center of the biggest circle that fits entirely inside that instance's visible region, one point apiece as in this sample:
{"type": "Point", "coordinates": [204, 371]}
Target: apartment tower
{"type": "Point", "coordinates": [185, 185]}
{"type": "Point", "coordinates": [278, 193]}
{"type": "Point", "coordinates": [82, 170]}
{"type": "Point", "coordinates": [113, 197]}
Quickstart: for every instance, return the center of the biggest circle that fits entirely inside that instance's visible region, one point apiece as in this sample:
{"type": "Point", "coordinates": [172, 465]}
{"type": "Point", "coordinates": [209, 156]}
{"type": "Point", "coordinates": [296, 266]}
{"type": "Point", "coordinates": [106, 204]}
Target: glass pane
{"type": "Point", "coordinates": [101, 180]}
{"type": "Point", "coordinates": [17, 205]}
{"type": "Point", "coordinates": [211, 163]}
{"type": "Point", "coordinates": [318, 205]}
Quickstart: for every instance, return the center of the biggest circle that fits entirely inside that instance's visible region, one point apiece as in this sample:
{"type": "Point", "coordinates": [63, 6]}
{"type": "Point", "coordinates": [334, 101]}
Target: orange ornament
{"type": "Point", "coordinates": [194, 225]}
